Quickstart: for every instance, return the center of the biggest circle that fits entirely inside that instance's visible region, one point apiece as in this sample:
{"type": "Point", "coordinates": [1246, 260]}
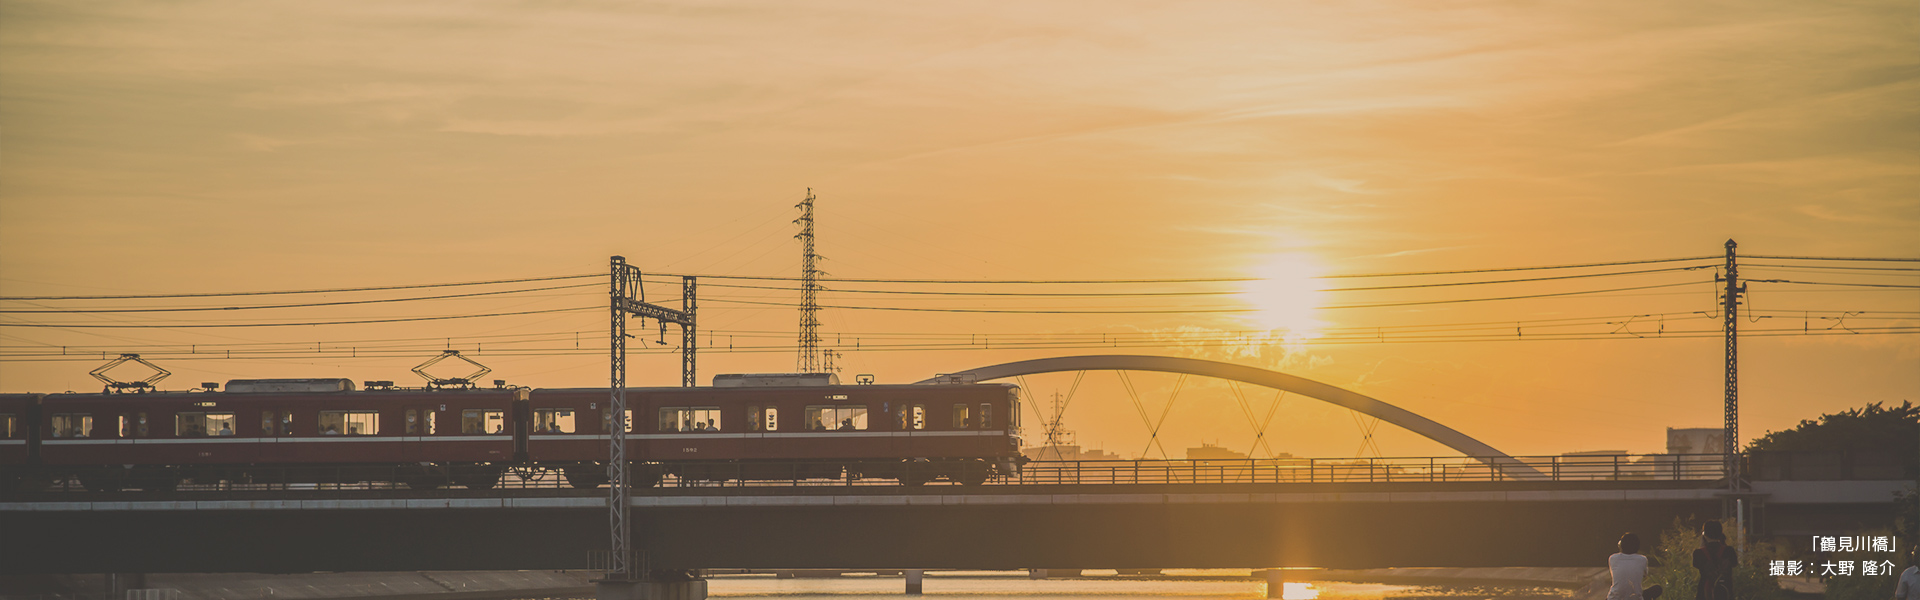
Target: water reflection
{"type": "Point", "coordinates": [1017, 586]}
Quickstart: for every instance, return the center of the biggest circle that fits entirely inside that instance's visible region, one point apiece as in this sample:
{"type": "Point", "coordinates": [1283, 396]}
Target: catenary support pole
{"type": "Point", "coordinates": [1730, 318]}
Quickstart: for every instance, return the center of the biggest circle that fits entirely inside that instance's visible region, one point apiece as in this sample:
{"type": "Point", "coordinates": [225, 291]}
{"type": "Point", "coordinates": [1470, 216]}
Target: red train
{"type": "Point", "coordinates": [325, 431]}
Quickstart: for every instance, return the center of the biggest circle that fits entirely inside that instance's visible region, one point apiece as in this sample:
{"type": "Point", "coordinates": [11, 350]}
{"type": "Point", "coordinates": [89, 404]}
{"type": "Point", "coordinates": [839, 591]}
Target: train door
{"type": "Point", "coordinates": [276, 426]}
{"type": "Point", "coordinates": [418, 422]}
{"type": "Point", "coordinates": [907, 421]}
{"type": "Point", "coordinates": [522, 423]}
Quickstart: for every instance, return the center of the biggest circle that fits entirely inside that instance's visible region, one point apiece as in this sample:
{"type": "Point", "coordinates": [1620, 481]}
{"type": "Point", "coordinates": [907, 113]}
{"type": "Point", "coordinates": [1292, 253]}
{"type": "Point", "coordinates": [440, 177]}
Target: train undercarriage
{"type": "Point", "coordinates": [483, 476]}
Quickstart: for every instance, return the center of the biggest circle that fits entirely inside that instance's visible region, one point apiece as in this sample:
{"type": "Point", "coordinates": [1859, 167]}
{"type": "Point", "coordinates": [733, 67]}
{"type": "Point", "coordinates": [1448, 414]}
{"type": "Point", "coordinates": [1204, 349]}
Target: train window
{"type": "Point", "coordinates": [1013, 408]}
{"type": "Point", "coordinates": [606, 420]}
{"type": "Point", "coordinates": [73, 425]}
{"type": "Point", "coordinates": [349, 422]}
{"type": "Point", "coordinates": [6, 425]}
{"type": "Point", "coordinates": [202, 424]}
{"type": "Point", "coordinates": [763, 419]}
{"type": "Point", "coordinates": [986, 415]}
{"type": "Point", "coordinates": [842, 417]}
{"type": "Point", "coordinates": [420, 422]}
{"type": "Point", "coordinates": [483, 421]}
{"type": "Point", "coordinates": [960, 420]}
{"type": "Point", "coordinates": [913, 417]}
{"type": "Point", "coordinates": [690, 418]}
{"type": "Point", "coordinates": [267, 421]}
{"type": "Point", "coordinates": [133, 425]}
{"type": "Point", "coordinates": [556, 420]}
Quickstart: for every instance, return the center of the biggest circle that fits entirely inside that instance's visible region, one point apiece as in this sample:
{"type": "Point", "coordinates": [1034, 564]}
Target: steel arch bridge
{"type": "Point", "coordinates": [1262, 377]}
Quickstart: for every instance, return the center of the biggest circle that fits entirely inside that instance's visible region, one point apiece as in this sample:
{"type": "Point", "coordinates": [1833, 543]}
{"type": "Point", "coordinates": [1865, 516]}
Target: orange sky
{"type": "Point", "coordinates": [193, 147]}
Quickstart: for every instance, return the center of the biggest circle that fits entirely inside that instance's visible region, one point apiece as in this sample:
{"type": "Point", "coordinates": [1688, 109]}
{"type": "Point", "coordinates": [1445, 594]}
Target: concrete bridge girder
{"type": "Point", "coordinates": [1262, 377]}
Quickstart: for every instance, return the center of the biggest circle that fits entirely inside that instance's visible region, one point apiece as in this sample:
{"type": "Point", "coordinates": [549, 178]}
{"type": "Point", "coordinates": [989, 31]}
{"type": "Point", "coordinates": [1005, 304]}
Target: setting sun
{"type": "Point", "coordinates": [1286, 296]}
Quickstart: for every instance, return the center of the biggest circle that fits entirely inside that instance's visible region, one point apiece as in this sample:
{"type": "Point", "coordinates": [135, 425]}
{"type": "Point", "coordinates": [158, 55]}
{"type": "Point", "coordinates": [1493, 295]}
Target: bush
{"type": "Point", "coordinates": [1673, 565]}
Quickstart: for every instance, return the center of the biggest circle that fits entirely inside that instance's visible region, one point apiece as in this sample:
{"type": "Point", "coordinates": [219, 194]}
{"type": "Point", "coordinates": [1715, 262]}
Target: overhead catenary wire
{"type": "Point", "coordinates": [301, 305]}
{"type": "Point", "coordinates": [1833, 258]}
{"type": "Point", "coordinates": [343, 353]}
{"type": "Point", "coordinates": [306, 291]}
{"type": "Point", "coordinates": [297, 324]}
{"type": "Point", "coordinates": [1209, 310]}
{"type": "Point", "coordinates": [1202, 293]}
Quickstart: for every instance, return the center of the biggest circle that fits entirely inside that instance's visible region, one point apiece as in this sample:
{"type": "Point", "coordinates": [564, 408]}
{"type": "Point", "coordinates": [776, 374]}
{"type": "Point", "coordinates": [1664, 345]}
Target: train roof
{"type": "Point", "coordinates": [869, 386]}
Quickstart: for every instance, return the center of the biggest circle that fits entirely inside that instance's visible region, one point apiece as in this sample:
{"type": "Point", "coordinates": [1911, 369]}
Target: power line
{"type": "Point", "coordinates": [1537, 268]}
{"type": "Point", "coordinates": [208, 325]}
{"type": "Point", "coordinates": [1688, 334]}
{"type": "Point", "coordinates": [1018, 294]}
{"type": "Point", "coordinates": [314, 291]}
{"type": "Point", "coordinates": [1874, 285]}
{"type": "Point", "coordinates": [1210, 310]}
{"type": "Point", "coordinates": [1208, 293]}
{"type": "Point", "coordinates": [1832, 267]}
{"type": "Point", "coordinates": [1834, 258]}
{"type": "Point", "coordinates": [1529, 279]}
{"type": "Point", "coordinates": [303, 305]}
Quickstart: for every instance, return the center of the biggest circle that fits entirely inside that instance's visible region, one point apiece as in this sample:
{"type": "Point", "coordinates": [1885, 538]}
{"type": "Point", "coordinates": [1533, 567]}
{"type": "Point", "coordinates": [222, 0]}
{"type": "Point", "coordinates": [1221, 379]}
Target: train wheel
{"type": "Point", "coordinates": [478, 477]}
{"type": "Point", "coordinates": [100, 482]}
{"type": "Point", "coordinates": [584, 477]}
{"type": "Point", "coordinates": [481, 482]}
{"type": "Point", "coordinates": [973, 472]}
{"type": "Point", "coordinates": [643, 477]}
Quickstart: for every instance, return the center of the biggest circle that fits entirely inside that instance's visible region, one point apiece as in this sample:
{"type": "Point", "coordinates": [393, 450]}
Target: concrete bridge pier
{"type": "Point", "coordinates": [687, 587]}
{"type": "Point", "coordinates": [913, 581]}
{"type": "Point", "coordinates": [1276, 584]}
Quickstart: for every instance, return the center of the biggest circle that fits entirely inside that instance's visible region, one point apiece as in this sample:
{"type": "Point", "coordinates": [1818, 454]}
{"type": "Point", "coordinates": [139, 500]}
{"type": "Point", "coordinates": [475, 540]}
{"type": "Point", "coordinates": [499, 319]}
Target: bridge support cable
{"type": "Point", "coordinates": [1140, 406]}
{"type": "Point", "coordinates": [1259, 426]}
{"type": "Point", "coordinates": [1501, 464]}
{"type": "Point", "coordinates": [1366, 435]}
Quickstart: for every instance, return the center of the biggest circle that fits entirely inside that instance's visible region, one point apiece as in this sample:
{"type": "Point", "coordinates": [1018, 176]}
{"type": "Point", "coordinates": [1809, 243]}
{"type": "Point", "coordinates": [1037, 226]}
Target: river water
{"type": "Point", "coordinates": [1212, 585]}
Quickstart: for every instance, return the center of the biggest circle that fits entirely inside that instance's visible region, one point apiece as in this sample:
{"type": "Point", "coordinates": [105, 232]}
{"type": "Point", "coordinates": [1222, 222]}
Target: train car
{"type": "Point", "coordinates": [280, 431]}
{"type": "Point", "coordinates": [292, 431]}
{"type": "Point", "coordinates": [17, 450]}
{"type": "Point", "coordinates": [786, 427]}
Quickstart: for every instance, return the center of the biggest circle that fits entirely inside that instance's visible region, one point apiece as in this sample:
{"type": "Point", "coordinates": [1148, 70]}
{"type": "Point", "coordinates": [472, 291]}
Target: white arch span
{"type": "Point", "coordinates": [1262, 377]}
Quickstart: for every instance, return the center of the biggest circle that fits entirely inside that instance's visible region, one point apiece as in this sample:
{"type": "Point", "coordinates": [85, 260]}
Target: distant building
{"type": "Point", "coordinates": [1066, 452]}
{"type": "Point", "coordinates": [1701, 440]}
{"type": "Point", "coordinates": [1208, 451]}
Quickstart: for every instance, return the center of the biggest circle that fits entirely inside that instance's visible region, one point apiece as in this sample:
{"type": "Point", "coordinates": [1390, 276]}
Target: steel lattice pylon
{"type": "Point", "coordinates": [809, 360]}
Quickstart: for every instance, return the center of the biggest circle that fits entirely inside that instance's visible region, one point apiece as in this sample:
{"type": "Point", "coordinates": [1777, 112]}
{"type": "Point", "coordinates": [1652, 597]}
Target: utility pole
{"type": "Point", "coordinates": [628, 297]}
{"type": "Point", "coordinates": [809, 361]}
{"type": "Point", "coordinates": [1730, 319]}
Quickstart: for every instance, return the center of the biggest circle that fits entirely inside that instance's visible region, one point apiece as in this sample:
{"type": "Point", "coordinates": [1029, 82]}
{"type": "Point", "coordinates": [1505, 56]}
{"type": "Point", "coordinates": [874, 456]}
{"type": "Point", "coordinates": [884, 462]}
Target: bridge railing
{"type": "Point", "coordinates": [1688, 467]}
{"type": "Point", "coordinates": [1661, 467]}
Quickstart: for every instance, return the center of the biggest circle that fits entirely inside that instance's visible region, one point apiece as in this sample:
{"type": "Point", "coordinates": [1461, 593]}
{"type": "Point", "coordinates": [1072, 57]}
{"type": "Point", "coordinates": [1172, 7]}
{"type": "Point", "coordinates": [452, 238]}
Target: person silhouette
{"type": "Point", "coordinates": [1629, 568]}
{"type": "Point", "coordinates": [1715, 560]}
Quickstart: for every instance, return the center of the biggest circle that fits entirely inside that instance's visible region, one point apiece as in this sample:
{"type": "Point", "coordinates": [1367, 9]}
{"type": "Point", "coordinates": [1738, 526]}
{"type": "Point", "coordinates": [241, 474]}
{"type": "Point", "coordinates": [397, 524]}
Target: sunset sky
{"type": "Point", "coordinates": [194, 147]}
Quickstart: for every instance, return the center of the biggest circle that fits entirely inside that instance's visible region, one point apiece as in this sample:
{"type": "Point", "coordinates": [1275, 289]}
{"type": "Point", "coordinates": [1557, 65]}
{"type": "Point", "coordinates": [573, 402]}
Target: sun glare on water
{"type": "Point", "coordinates": [1285, 298]}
